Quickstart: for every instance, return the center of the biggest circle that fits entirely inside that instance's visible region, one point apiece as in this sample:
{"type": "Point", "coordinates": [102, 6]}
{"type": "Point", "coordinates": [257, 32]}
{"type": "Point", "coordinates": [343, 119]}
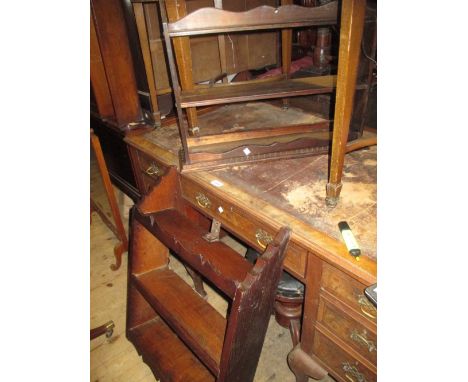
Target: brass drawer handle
{"type": "Point", "coordinates": [203, 200]}
{"type": "Point", "coordinates": [154, 169]}
{"type": "Point", "coordinates": [263, 238]}
{"type": "Point", "coordinates": [366, 307]}
{"type": "Point", "coordinates": [352, 373]}
{"type": "Point", "coordinates": [361, 339]}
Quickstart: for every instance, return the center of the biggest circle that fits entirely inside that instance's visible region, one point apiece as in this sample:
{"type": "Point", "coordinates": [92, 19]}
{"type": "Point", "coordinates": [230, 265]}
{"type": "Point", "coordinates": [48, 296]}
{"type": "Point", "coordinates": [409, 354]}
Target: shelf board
{"type": "Point", "coordinates": [267, 132]}
{"type": "Point", "coordinates": [215, 261]}
{"type": "Point", "coordinates": [245, 91]}
{"type": "Point", "coordinates": [167, 356]}
{"type": "Point", "coordinates": [193, 319]}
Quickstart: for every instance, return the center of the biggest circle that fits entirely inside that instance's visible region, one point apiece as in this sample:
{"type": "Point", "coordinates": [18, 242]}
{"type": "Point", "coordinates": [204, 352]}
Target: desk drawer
{"type": "Point", "coordinates": [360, 338]}
{"type": "Point", "coordinates": [348, 291]}
{"type": "Point", "coordinates": [151, 167]}
{"type": "Point", "coordinates": [148, 171]}
{"type": "Point", "coordinates": [148, 183]}
{"type": "Point", "coordinates": [249, 229]}
{"type": "Point", "coordinates": [343, 365]}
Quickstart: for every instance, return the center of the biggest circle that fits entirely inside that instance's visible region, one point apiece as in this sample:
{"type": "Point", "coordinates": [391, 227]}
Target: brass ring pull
{"type": "Point", "coordinates": [352, 373]}
{"type": "Point", "coordinates": [366, 307]}
{"type": "Point", "coordinates": [203, 200]}
{"type": "Point", "coordinates": [361, 339]}
{"type": "Point", "coordinates": [153, 169]}
{"type": "Point", "coordinates": [263, 238]}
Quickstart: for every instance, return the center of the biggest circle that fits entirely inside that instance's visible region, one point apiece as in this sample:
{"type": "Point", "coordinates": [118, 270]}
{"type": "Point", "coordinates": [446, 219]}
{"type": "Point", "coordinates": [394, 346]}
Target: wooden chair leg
{"type": "Point", "coordinates": [119, 228]}
{"type": "Point", "coordinates": [119, 249]}
{"type": "Point", "coordinates": [107, 329]}
{"type": "Point", "coordinates": [352, 25]}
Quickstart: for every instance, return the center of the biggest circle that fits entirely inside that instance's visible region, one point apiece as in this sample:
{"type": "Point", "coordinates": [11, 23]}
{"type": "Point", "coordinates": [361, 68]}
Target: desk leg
{"type": "Point", "coordinates": [299, 359]}
{"type": "Point", "coordinates": [303, 366]}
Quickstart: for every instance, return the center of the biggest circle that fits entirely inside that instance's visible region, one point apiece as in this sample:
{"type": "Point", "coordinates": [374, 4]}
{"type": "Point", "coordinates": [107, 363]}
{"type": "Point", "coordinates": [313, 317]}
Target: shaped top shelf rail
{"type": "Point", "coordinates": [214, 20]}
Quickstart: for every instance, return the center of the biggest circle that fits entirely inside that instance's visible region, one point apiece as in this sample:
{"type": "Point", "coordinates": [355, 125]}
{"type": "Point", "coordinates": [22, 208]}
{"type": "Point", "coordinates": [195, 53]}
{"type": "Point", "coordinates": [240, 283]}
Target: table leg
{"type": "Point", "coordinates": [352, 25]}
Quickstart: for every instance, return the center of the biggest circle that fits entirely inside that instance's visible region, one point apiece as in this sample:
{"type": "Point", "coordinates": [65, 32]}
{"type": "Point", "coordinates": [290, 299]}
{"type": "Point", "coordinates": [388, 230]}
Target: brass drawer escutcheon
{"type": "Point", "coordinates": [361, 339]}
{"type": "Point", "coordinates": [263, 238]}
{"type": "Point", "coordinates": [366, 307]}
{"type": "Point", "coordinates": [203, 200]}
{"type": "Point", "coordinates": [352, 373]}
{"type": "Point", "coordinates": [154, 169]}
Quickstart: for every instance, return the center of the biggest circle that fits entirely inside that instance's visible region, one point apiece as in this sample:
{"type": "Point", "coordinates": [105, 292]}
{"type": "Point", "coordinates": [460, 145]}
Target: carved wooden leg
{"type": "Point", "coordinates": [303, 366]}
{"type": "Point", "coordinates": [197, 282]}
{"type": "Point", "coordinates": [119, 249]}
{"type": "Point", "coordinates": [118, 228]}
{"type": "Point", "coordinates": [352, 24]}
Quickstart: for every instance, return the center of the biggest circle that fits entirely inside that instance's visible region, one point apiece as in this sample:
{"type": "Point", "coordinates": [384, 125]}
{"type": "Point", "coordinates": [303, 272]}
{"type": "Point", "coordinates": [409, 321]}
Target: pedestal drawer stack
{"type": "Point", "coordinates": [346, 333]}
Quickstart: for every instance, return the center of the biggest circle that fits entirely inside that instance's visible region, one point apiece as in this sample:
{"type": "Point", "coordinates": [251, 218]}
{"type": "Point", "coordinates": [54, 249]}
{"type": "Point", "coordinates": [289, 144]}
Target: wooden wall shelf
{"type": "Point", "coordinates": [178, 333]}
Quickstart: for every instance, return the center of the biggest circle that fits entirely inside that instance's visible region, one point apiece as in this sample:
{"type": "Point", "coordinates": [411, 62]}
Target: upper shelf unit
{"type": "Point", "coordinates": [205, 148]}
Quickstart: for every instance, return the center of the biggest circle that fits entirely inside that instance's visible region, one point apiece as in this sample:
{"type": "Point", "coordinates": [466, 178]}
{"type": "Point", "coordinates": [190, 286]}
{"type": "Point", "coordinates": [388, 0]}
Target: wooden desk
{"type": "Point", "coordinates": [254, 201]}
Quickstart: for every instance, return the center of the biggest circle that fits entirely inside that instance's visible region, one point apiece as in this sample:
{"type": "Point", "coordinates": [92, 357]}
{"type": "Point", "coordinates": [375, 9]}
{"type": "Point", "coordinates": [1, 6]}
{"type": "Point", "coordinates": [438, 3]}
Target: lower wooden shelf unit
{"type": "Point", "coordinates": [196, 321]}
{"type": "Point", "coordinates": [179, 334]}
{"type": "Point", "coordinates": [166, 354]}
